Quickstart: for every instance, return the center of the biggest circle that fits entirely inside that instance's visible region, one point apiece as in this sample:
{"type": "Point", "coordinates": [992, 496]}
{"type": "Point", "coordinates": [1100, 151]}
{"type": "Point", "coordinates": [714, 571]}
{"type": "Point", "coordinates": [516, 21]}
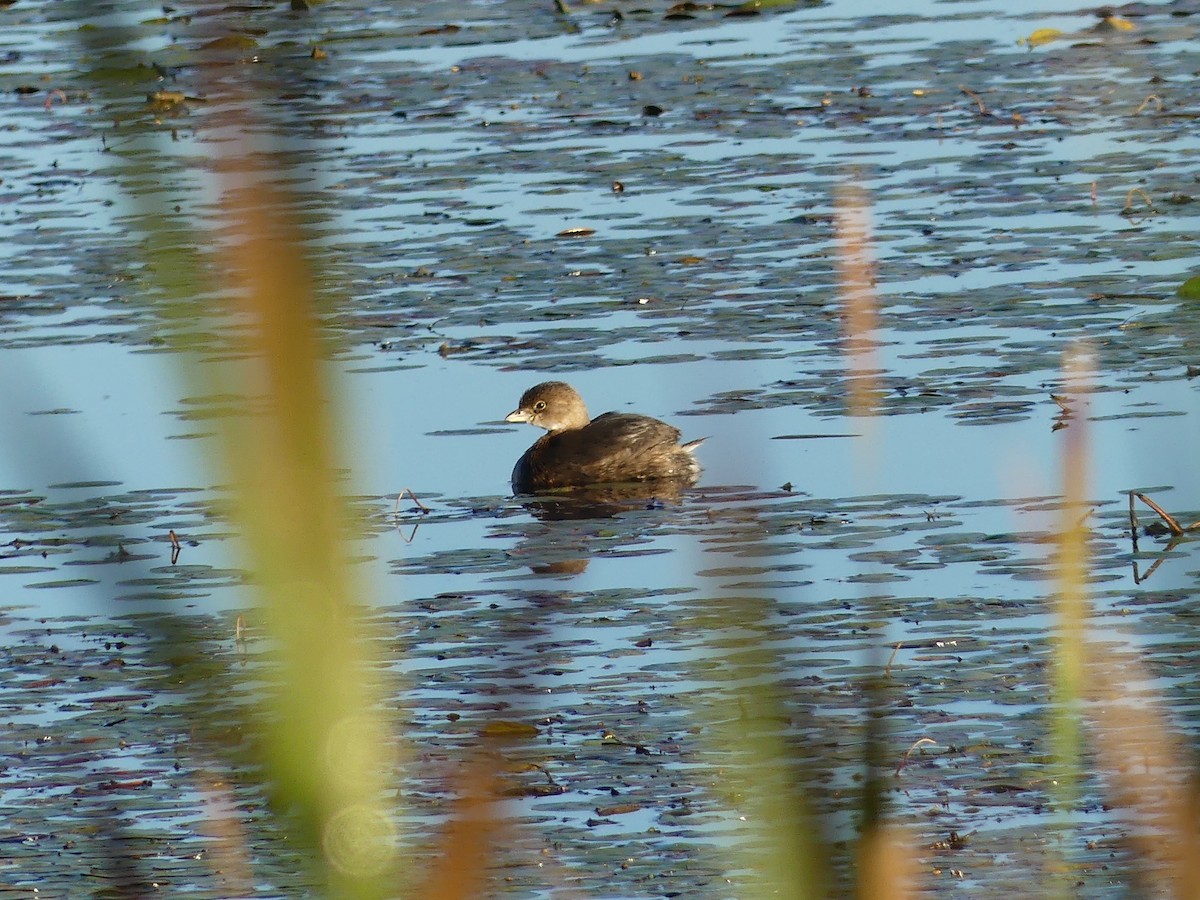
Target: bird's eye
{"type": "Point", "coordinates": [539, 406]}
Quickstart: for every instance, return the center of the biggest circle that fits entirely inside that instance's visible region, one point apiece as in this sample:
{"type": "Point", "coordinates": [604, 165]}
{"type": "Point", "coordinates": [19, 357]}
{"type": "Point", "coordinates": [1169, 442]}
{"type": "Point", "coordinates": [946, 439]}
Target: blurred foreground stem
{"type": "Point", "coordinates": [326, 747]}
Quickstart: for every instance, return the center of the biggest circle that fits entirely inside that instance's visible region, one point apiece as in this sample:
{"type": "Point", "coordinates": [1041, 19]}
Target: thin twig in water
{"type": "Point", "coordinates": [396, 514]}
{"type": "Point", "coordinates": [1133, 522]}
{"type": "Point", "coordinates": [908, 752]}
{"type": "Point", "coordinates": [421, 506]}
{"type": "Point", "coordinates": [1171, 521]}
{"type": "Point", "coordinates": [1152, 98]}
{"type": "Point", "coordinates": [1137, 192]}
{"type": "Point", "coordinates": [1139, 578]}
{"type": "Point", "coordinates": [887, 670]}
{"type": "Point", "coordinates": [1177, 531]}
{"type": "Point", "coordinates": [974, 96]}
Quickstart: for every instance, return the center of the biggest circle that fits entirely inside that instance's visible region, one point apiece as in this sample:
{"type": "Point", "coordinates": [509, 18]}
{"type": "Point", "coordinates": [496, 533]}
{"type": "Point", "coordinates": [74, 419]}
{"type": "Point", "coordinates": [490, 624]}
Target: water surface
{"type": "Point", "coordinates": [438, 168]}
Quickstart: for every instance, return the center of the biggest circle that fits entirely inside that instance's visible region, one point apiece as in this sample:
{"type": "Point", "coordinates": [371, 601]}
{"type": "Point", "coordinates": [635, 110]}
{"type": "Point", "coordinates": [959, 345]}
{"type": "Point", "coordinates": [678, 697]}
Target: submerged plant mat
{"type": "Point", "coordinates": [584, 702]}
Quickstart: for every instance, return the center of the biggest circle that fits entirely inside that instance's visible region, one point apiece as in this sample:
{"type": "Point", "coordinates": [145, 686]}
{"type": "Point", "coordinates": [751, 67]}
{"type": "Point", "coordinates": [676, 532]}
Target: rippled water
{"type": "Point", "coordinates": [438, 168]}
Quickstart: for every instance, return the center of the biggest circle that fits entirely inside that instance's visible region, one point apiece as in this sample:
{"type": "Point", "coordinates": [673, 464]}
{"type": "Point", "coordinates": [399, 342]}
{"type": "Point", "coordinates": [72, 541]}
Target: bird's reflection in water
{"type": "Point", "coordinates": [562, 567]}
{"type": "Point", "coordinates": [575, 518]}
{"type": "Point", "coordinates": [603, 501]}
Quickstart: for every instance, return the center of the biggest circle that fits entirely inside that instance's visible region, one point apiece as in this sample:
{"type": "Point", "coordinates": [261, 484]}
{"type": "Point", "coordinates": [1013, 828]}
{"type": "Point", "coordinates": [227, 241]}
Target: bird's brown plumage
{"type": "Point", "coordinates": [610, 449]}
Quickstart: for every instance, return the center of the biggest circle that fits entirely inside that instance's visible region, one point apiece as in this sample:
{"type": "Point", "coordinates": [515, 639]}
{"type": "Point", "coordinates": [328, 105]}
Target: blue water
{"type": "Point", "coordinates": [708, 297]}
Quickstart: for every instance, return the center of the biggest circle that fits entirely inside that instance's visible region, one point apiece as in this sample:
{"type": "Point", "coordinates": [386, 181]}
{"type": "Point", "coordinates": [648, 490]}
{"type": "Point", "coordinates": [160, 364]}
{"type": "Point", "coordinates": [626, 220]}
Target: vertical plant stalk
{"type": "Point", "coordinates": [762, 773]}
{"type": "Point", "coordinates": [860, 302]}
{"type": "Point", "coordinates": [1071, 604]}
{"type": "Point", "coordinates": [882, 855]}
{"type": "Point", "coordinates": [1150, 775]}
{"type": "Point", "coordinates": [325, 741]}
{"type": "Point", "coordinates": [469, 839]}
